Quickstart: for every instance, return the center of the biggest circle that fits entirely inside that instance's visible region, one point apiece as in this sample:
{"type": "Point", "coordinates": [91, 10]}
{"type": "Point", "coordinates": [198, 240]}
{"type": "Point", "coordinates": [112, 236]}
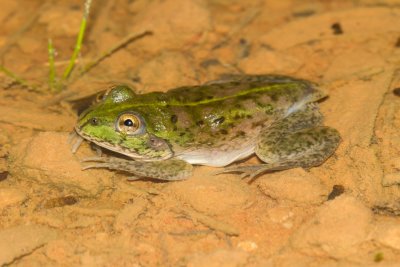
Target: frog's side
{"type": "Point", "coordinates": [275, 117]}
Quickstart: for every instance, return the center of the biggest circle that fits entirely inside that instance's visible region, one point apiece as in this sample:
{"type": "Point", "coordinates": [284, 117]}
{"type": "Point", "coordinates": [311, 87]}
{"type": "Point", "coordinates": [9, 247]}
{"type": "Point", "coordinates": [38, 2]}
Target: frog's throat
{"type": "Point", "coordinates": [120, 150]}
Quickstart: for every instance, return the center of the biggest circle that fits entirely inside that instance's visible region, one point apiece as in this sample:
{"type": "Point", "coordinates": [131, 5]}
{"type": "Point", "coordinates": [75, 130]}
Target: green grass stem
{"type": "Point", "coordinates": [79, 41]}
{"type": "Point", "coordinates": [52, 69]}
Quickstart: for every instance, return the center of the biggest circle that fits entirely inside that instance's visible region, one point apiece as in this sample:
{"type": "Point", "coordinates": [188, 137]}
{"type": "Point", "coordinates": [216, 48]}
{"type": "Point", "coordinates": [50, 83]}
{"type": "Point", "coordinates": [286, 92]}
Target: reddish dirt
{"type": "Point", "coordinates": [343, 213]}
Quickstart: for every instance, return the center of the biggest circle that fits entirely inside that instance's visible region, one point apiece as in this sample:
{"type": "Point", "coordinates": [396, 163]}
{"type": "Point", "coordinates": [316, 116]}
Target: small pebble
{"type": "Point", "coordinates": [247, 246]}
{"type": "Point", "coordinates": [397, 42]}
{"type": "Point", "coordinates": [396, 91]}
{"type": "Point", "coordinates": [3, 175]}
{"type": "Point", "coordinates": [337, 28]}
{"type": "Point", "coordinates": [337, 190]}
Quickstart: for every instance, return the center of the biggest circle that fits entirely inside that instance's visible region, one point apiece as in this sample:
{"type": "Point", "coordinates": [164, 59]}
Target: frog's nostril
{"type": "Point", "coordinates": [94, 121]}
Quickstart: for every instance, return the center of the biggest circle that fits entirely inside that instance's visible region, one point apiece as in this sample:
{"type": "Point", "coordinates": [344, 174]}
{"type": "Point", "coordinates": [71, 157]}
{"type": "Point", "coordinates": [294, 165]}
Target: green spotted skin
{"type": "Point", "coordinates": [214, 124]}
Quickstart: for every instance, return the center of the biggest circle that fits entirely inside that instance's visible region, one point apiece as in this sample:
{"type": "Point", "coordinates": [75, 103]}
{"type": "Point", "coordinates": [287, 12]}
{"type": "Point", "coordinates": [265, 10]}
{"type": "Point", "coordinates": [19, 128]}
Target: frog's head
{"type": "Point", "coordinates": [115, 125]}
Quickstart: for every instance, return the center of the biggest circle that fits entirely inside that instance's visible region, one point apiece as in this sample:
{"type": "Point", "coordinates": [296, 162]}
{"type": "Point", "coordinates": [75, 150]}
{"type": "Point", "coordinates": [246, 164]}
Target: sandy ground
{"type": "Point", "coordinates": [343, 213]}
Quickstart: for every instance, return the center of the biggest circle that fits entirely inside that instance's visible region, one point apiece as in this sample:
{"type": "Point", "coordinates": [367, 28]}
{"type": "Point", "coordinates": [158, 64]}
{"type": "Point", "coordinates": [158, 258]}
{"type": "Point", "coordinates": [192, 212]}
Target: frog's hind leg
{"type": "Point", "coordinates": [167, 170]}
{"type": "Point", "coordinates": [299, 140]}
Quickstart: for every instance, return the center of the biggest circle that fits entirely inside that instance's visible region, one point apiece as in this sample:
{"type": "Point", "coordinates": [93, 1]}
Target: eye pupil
{"type": "Point", "coordinates": [128, 123]}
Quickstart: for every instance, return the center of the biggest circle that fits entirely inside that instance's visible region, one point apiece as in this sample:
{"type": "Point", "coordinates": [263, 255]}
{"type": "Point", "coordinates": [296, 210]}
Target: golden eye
{"type": "Point", "coordinates": [128, 123]}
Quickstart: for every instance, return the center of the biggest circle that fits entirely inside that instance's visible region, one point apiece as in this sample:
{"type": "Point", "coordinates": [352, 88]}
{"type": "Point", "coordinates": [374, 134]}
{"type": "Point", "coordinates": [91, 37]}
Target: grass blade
{"type": "Point", "coordinates": [52, 69]}
{"type": "Point", "coordinates": [79, 41]}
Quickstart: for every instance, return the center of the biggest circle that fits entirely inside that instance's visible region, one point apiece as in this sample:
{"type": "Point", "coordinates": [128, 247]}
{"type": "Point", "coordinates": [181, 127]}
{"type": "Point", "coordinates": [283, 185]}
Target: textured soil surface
{"type": "Point", "coordinates": [342, 213]}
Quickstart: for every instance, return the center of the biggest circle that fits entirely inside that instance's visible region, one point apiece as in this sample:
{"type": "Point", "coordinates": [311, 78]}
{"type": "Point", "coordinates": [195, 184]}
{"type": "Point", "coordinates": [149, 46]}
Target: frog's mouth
{"type": "Point", "coordinates": [121, 150]}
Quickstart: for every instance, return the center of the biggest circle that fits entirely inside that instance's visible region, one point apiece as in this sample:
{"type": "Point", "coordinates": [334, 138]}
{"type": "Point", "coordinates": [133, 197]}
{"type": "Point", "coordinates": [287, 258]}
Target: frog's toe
{"type": "Point", "coordinates": [254, 170]}
{"type": "Point", "coordinates": [96, 166]}
{"type": "Point", "coordinates": [134, 178]}
{"type": "Point", "coordinates": [95, 159]}
{"type": "Point", "coordinates": [243, 170]}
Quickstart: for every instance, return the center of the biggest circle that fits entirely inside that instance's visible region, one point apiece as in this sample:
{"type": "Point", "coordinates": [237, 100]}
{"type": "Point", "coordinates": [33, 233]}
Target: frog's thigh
{"type": "Point", "coordinates": [304, 148]}
{"type": "Point", "coordinates": [169, 170]}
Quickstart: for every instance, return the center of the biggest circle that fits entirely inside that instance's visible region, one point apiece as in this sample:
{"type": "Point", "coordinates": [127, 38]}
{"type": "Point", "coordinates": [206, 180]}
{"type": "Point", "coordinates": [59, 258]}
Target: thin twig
{"type": "Point", "coordinates": [211, 222]}
{"type": "Point", "coordinates": [248, 18]}
{"type": "Point", "coordinates": [122, 43]}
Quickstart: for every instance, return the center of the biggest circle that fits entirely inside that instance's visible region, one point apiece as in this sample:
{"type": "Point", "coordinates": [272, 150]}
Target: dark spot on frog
{"type": "Point", "coordinates": [200, 123]}
{"type": "Point", "coordinates": [223, 131]}
{"type": "Point", "coordinates": [234, 83]}
{"type": "Point", "coordinates": [199, 98]}
{"type": "Point", "coordinates": [60, 202]}
{"type": "Point", "coordinates": [274, 97]}
{"type": "Point", "coordinates": [182, 133]}
{"type": "Point", "coordinates": [295, 98]}
{"type": "Point", "coordinates": [337, 28]}
{"type": "Point", "coordinates": [269, 110]}
{"type": "Point", "coordinates": [396, 91]}
{"type": "Point", "coordinates": [3, 175]}
{"type": "Point", "coordinates": [219, 120]}
{"type": "Point", "coordinates": [256, 124]}
{"type": "Point", "coordinates": [174, 119]}
{"type": "Point", "coordinates": [241, 134]}
{"type": "Point", "coordinates": [337, 190]}
{"type": "Point", "coordinates": [254, 84]}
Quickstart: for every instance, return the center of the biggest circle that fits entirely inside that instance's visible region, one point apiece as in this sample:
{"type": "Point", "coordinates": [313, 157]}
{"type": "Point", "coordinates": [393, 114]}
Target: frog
{"type": "Point", "coordinates": [162, 135]}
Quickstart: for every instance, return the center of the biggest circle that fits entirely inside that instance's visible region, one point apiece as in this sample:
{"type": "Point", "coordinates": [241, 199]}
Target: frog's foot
{"type": "Point", "coordinates": [305, 148]}
{"type": "Point", "coordinates": [168, 170]}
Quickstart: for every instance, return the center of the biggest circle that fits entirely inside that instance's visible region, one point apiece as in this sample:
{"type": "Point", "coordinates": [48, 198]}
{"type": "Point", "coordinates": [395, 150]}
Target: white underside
{"type": "Point", "coordinates": [216, 158]}
{"type": "Point", "coordinates": [221, 158]}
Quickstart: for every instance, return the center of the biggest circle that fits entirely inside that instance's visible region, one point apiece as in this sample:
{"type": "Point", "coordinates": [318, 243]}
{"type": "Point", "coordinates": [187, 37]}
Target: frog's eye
{"type": "Point", "coordinates": [128, 123]}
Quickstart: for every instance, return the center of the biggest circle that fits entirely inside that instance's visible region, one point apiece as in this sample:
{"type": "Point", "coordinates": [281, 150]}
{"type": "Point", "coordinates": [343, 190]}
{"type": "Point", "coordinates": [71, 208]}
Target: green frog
{"type": "Point", "coordinates": [161, 135]}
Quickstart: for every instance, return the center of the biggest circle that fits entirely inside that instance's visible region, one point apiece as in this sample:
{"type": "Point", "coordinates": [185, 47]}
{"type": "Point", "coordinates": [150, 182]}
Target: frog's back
{"type": "Point", "coordinates": [238, 87]}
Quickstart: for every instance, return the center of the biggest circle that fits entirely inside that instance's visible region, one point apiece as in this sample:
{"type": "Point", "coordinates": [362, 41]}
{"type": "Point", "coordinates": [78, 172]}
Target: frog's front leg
{"type": "Point", "coordinates": [168, 170]}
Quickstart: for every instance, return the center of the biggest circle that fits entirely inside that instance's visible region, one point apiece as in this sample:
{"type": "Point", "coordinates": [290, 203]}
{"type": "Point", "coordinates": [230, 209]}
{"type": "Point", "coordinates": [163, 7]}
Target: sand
{"type": "Point", "coordinates": [342, 213]}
